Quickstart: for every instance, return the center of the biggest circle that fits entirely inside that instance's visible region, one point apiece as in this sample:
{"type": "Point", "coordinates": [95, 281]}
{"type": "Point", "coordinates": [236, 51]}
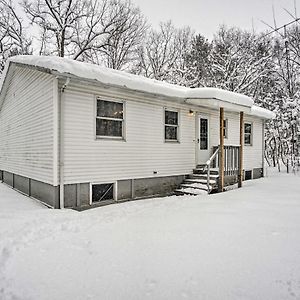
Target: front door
{"type": "Point", "coordinates": [203, 139]}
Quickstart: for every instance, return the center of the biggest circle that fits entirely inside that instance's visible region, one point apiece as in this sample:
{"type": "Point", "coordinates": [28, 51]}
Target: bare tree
{"type": "Point", "coordinates": [12, 37]}
{"type": "Point", "coordinates": [110, 34]}
{"type": "Point", "coordinates": [102, 32]}
{"type": "Point", "coordinates": [56, 20]}
{"type": "Point", "coordinates": [162, 55]}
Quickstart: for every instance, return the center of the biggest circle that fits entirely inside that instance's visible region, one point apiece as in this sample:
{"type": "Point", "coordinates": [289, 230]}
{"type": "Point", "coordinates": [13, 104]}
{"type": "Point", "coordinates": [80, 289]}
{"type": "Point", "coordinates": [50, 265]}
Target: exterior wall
{"type": "Point", "coordinates": [253, 155]}
{"type": "Point", "coordinates": [143, 154]}
{"type": "Point", "coordinates": [26, 126]}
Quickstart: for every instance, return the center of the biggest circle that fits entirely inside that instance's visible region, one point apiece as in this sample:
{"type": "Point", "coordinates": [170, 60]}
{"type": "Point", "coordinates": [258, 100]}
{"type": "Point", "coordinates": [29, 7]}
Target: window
{"type": "Point", "coordinates": [225, 128]}
{"type": "Point", "coordinates": [248, 175]}
{"type": "Point", "coordinates": [203, 134]}
{"type": "Point", "coordinates": [248, 134]}
{"type": "Point", "coordinates": [171, 125]}
{"type": "Point", "coordinates": [101, 192]}
{"type": "Point", "coordinates": [110, 119]}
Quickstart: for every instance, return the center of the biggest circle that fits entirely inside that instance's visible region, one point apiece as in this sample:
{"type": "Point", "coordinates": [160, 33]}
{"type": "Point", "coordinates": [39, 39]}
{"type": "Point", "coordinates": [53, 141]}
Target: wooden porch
{"type": "Point", "coordinates": [223, 168]}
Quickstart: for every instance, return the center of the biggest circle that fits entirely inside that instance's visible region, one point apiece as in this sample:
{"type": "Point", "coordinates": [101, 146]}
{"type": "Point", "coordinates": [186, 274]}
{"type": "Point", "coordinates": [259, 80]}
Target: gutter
{"type": "Point", "coordinates": [61, 148]}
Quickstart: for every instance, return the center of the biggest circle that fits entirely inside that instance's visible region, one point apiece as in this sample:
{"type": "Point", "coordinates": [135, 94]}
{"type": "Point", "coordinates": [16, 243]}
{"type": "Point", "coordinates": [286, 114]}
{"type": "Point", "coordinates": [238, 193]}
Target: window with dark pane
{"type": "Point", "coordinates": [170, 133]}
{"type": "Point", "coordinates": [110, 118]}
{"type": "Point", "coordinates": [248, 133]}
{"type": "Point", "coordinates": [171, 125]}
{"type": "Point", "coordinates": [101, 192]}
{"type": "Point", "coordinates": [203, 134]}
{"type": "Point", "coordinates": [171, 117]}
{"type": "Point", "coordinates": [106, 127]}
{"type": "Point", "coordinates": [109, 109]}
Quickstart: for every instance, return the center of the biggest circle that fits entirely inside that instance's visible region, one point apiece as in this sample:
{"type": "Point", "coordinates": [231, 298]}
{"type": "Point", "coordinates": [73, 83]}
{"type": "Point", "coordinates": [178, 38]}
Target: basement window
{"type": "Point", "coordinates": [248, 175]}
{"type": "Point", "coordinates": [171, 126]}
{"type": "Point", "coordinates": [110, 119]}
{"type": "Point", "coordinates": [101, 192]}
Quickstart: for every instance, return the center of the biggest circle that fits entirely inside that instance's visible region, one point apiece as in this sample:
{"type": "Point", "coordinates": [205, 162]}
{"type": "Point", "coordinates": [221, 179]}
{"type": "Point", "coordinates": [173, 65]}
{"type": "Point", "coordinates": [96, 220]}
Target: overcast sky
{"type": "Point", "coordinates": [204, 16]}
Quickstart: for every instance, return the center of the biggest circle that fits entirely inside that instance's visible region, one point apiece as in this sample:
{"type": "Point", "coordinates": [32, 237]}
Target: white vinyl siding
{"type": "Point", "coordinates": [26, 126]}
{"type": "Point", "coordinates": [144, 152]}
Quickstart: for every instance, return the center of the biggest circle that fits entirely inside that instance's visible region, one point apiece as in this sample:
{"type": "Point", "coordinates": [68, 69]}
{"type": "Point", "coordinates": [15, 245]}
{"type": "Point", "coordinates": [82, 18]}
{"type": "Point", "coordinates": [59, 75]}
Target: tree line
{"type": "Point", "coordinates": [115, 34]}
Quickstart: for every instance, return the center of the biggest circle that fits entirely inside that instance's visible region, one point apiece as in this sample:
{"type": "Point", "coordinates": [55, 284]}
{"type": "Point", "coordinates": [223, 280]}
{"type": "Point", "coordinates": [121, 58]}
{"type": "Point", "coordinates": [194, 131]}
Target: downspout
{"type": "Point", "coordinates": [263, 148]}
{"type": "Point", "coordinates": [61, 148]}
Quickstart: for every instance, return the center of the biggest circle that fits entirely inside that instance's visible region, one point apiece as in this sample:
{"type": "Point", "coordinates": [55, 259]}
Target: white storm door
{"type": "Point", "coordinates": [203, 139]}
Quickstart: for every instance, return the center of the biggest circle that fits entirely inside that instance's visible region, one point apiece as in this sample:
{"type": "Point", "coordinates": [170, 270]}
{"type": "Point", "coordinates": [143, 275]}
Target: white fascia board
{"type": "Point", "coordinates": [217, 103]}
{"type": "Point", "coordinates": [222, 95]}
{"type": "Point", "coordinates": [262, 112]}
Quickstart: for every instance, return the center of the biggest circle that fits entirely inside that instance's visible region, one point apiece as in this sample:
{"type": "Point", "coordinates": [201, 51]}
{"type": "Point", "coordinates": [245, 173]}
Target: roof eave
{"type": "Point", "coordinates": [215, 103]}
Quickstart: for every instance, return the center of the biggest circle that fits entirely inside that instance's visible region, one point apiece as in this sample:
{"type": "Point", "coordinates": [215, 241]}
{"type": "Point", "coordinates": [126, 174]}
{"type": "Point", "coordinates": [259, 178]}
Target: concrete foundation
{"type": "Point", "coordinates": [78, 195]}
{"type": "Point", "coordinates": [44, 192]}
{"type": "Point", "coordinates": [8, 178]}
{"type": "Point", "coordinates": [125, 189]}
{"type": "Point", "coordinates": [22, 184]}
{"type": "Point", "coordinates": [257, 173]}
{"type": "Point", "coordinates": [156, 186]}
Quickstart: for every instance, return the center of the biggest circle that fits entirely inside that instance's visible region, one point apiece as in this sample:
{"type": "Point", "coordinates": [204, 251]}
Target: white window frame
{"type": "Point", "coordinates": [115, 189]}
{"type": "Point", "coordinates": [170, 125]}
{"type": "Point", "coordinates": [122, 138]}
{"type": "Point", "coordinates": [251, 134]}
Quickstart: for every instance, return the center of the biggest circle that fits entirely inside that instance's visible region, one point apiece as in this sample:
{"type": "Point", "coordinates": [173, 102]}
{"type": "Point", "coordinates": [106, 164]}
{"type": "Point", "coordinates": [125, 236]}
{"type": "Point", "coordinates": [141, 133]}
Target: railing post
{"type": "Point", "coordinates": [221, 165]}
{"type": "Point", "coordinates": [241, 149]}
{"type": "Point", "coordinates": [208, 178]}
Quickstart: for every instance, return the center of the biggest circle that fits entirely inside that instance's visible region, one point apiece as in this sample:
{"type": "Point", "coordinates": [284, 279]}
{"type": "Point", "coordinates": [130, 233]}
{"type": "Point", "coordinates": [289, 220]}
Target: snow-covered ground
{"type": "Point", "coordinates": [242, 244]}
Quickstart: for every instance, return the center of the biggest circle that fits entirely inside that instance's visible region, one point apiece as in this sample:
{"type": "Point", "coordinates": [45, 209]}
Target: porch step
{"type": "Point", "coordinates": [204, 171]}
{"type": "Point", "coordinates": [196, 183]}
{"type": "Point", "coordinates": [203, 176]}
{"type": "Point", "coordinates": [201, 180]}
{"type": "Point", "coordinates": [190, 191]}
{"type": "Point", "coordinates": [201, 166]}
{"type": "Point", "coordinates": [198, 186]}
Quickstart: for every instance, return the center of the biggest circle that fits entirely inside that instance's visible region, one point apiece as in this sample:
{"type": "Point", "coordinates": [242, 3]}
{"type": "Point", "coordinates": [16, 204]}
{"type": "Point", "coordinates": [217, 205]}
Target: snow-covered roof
{"type": "Point", "coordinates": [123, 79]}
{"type": "Point", "coordinates": [262, 112]}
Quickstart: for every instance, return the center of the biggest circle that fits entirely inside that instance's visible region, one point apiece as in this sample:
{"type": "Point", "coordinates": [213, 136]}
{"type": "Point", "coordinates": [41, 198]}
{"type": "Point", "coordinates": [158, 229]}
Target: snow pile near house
{"type": "Point", "coordinates": [112, 77]}
{"type": "Point", "coordinates": [241, 244]}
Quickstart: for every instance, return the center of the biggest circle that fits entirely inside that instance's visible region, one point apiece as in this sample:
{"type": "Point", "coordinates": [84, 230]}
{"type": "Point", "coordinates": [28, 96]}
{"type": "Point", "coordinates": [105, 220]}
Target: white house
{"type": "Point", "coordinates": [73, 133]}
